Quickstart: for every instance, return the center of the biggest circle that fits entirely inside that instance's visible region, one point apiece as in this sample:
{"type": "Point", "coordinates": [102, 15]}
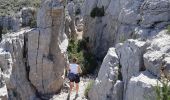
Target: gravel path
{"type": "Point", "coordinates": [64, 94]}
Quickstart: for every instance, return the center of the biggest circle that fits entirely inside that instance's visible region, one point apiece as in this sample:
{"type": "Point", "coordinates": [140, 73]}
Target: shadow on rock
{"type": "Point", "coordinates": [68, 97]}
{"type": "Point", "coordinates": [76, 96]}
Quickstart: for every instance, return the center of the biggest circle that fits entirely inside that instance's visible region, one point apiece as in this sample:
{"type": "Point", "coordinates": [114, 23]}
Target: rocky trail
{"type": "Point", "coordinates": [64, 94]}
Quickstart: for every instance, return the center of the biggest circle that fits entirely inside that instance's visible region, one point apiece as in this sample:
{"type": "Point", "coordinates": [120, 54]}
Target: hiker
{"type": "Point", "coordinates": [74, 75]}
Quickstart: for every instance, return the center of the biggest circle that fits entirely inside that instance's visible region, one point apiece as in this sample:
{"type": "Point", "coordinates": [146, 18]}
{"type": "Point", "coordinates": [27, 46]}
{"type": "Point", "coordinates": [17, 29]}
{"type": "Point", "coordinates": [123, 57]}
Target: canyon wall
{"type": "Point", "coordinates": [123, 19]}
{"type": "Point", "coordinates": [136, 33]}
{"type": "Point", "coordinates": [131, 70]}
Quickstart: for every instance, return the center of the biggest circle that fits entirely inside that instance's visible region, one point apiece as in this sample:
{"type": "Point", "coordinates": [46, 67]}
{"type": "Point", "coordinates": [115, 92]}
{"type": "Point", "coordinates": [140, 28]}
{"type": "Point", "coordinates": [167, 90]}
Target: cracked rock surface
{"type": "Point", "coordinates": [32, 60]}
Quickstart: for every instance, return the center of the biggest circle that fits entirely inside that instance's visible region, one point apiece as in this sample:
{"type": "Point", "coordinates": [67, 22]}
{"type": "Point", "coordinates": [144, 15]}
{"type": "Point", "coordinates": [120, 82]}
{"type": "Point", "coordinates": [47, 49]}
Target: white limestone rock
{"type": "Point", "coordinates": [131, 59]}
{"type": "Point", "coordinates": [106, 84]}
{"type": "Point", "coordinates": [141, 87]}
{"type": "Point", "coordinates": [33, 60]}
{"type": "Point", "coordinates": [158, 53]}
{"type": "Point", "coordinates": [3, 89]}
{"type": "Point", "coordinates": [124, 18]}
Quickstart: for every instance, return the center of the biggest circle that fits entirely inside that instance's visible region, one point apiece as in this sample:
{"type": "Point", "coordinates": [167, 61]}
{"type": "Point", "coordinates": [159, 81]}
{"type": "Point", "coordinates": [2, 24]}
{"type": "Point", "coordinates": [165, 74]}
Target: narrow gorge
{"type": "Point", "coordinates": [123, 45]}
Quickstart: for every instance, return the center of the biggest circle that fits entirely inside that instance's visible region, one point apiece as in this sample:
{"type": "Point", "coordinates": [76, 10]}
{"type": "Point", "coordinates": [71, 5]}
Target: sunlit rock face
{"type": "Point", "coordinates": [123, 19]}
{"type": "Point", "coordinates": [32, 60]}
{"type": "Point", "coordinates": [140, 64]}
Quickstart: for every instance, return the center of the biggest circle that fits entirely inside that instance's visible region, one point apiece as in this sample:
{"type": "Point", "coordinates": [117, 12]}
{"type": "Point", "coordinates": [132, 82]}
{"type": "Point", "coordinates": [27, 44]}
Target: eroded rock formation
{"type": "Point", "coordinates": [139, 63]}
{"type": "Point", "coordinates": [123, 19]}
{"type": "Point", "coordinates": [32, 61]}
{"type": "Point", "coordinates": [106, 86]}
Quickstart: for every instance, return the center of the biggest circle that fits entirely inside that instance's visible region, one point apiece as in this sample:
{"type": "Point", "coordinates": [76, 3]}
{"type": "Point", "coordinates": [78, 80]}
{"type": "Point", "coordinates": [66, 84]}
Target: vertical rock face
{"type": "Point", "coordinates": [131, 59]}
{"type": "Point", "coordinates": [3, 89]}
{"type": "Point", "coordinates": [140, 64]}
{"type": "Point", "coordinates": [106, 86]}
{"type": "Point", "coordinates": [13, 66]}
{"type": "Point", "coordinates": [32, 60]}
{"type": "Point", "coordinates": [123, 19]}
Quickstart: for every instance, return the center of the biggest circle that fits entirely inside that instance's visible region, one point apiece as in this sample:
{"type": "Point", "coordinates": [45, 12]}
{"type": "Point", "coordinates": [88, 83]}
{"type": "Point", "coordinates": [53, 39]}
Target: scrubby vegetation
{"type": "Point", "coordinates": [163, 92]}
{"type": "Point", "coordinates": [163, 88]}
{"type": "Point", "coordinates": [78, 49]}
{"type": "Point", "coordinates": [97, 12]}
{"type": "Point", "coordinates": [10, 7]}
{"type": "Point", "coordinates": [3, 31]}
{"type": "Point", "coordinates": [122, 39]}
{"type": "Point", "coordinates": [87, 89]}
{"type": "Point", "coordinates": [168, 27]}
{"type": "Point", "coordinates": [33, 23]}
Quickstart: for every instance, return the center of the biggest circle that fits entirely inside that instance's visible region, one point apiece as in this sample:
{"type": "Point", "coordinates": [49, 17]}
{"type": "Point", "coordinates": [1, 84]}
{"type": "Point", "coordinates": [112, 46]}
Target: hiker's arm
{"type": "Point", "coordinates": [79, 69]}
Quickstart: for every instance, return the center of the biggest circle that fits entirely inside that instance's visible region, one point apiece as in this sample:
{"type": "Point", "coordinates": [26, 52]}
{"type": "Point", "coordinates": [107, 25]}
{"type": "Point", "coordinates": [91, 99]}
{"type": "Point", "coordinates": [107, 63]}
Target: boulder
{"type": "Point", "coordinates": [142, 87]}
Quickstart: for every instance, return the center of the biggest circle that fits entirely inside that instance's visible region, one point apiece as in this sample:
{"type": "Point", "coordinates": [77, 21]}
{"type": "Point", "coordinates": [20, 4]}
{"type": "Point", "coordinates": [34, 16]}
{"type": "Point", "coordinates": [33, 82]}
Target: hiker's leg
{"type": "Point", "coordinates": [77, 83]}
{"type": "Point", "coordinates": [71, 86]}
{"type": "Point", "coordinates": [77, 88]}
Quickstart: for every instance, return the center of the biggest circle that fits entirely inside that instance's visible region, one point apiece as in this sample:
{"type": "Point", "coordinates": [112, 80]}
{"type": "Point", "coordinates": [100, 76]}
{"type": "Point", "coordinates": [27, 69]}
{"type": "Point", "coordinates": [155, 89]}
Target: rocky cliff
{"type": "Point", "coordinates": [130, 35]}
{"type": "Point", "coordinates": [123, 19]}
{"type": "Point", "coordinates": [131, 70]}
{"type": "Point", "coordinates": [32, 61]}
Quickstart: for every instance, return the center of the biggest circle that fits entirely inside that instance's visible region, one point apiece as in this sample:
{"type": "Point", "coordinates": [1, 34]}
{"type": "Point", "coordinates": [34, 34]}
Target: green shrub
{"type": "Point", "coordinates": [5, 30]}
{"type": "Point", "coordinates": [163, 88]}
{"type": "Point", "coordinates": [85, 58]}
{"type": "Point", "coordinates": [97, 12]}
{"type": "Point", "coordinates": [163, 92]}
{"type": "Point", "coordinates": [33, 23]}
{"type": "Point", "coordinates": [88, 87]}
{"type": "Point", "coordinates": [122, 39]}
{"type": "Point", "coordinates": [168, 29]}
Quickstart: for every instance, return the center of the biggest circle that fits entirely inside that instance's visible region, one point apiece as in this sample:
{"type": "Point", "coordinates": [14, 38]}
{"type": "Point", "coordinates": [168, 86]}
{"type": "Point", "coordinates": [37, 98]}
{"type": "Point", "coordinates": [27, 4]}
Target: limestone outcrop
{"type": "Point", "coordinates": [32, 60]}
{"type": "Point", "coordinates": [141, 87]}
{"type": "Point", "coordinates": [107, 86]}
{"type": "Point", "coordinates": [3, 89]}
{"type": "Point", "coordinates": [123, 19]}
{"type": "Point", "coordinates": [157, 56]}
{"type": "Point", "coordinates": [140, 65]}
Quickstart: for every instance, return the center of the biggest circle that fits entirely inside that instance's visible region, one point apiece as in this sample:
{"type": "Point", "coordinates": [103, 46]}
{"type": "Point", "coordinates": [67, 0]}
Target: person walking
{"type": "Point", "coordinates": [74, 75]}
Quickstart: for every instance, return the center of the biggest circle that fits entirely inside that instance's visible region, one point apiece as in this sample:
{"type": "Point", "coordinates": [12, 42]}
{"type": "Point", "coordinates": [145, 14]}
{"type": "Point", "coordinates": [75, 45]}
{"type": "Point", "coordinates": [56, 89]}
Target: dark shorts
{"type": "Point", "coordinates": [76, 79]}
